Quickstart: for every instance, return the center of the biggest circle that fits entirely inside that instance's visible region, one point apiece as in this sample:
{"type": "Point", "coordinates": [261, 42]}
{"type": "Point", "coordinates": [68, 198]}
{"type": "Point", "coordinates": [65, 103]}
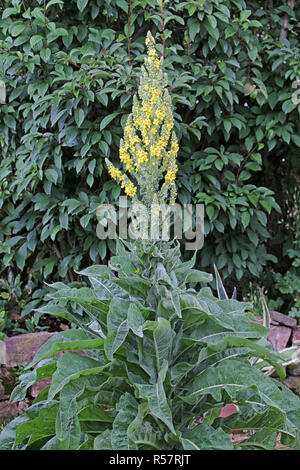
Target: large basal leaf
{"type": "Point", "coordinates": [205, 437]}
{"type": "Point", "coordinates": [40, 427]}
{"type": "Point", "coordinates": [97, 271]}
{"type": "Point", "coordinates": [107, 289]}
{"type": "Point", "coordinates": [262, 417]}
{"type": "Point", "coordinates": [233, 376]}
{"type": "Point", "coordinates": [161, 276]}
{"type": "Point", "coordinates": [111, 390]}
{"type": "Point", "coordinates": [8, 434]}
{"type": "Point", "coordinates": [194, 275]}
{"type": "Point", "coordinates": [127, 411]}
{"type": "Point", "coordinates": [74, 294]}
{"type": "Point", "coordinates": [123, 265]}
{"type": "Point", "coordinates": [157, 400]}
{"type": "Point", "coordinates": [82, 345]}
{"type": "Point", "coordinates": [135, 320]}
{"type": "Point", "coordinates": [70, 366]}
{"type": "Point", "coordinates": [264, 439]}
{"type": "Point", "coordinates": [202, 360]}
{"type": "Point", "coordinates": [117, 326]}
{"type": "Point", "coordinates": [60, 311]}
{"type": "Point", "coordinates": [224, 341]}
{"type": "Point", "coordinates": [45, 369]}
{"type": "Point", "coordinates": [147, 437]}
{"type": "Point", "coordinates": [169, 304]}
{"type": "Point", "coordinates": [94, 413]}
{"type": "Point", "coordinates": [67, 336]}
{"type": "Point", "coordinates": [135, 286]}
{"type": "Point", "coordinates": [103, 441]}
{"type": "Point", "coordinates": [182, 267]}
{"type": "Point", "coordinates": [68, 429]}
{"type": "Point", "coordinates": [163, 337]}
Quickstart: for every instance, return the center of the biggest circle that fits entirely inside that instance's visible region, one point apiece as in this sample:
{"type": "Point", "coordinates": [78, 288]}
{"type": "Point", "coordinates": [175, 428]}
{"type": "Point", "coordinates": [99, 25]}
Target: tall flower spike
{"type": "Point", "coordinates": [149, 147]}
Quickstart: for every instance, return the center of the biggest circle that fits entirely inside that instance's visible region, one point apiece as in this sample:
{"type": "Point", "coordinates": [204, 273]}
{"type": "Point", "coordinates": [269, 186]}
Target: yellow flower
{"type": "Point", "coordinates": [148, 149]}
{"type": "Point", "coordinates": [175, 147]}
{"type": "Point", "coordinates": [171, 174]}
{"type": "Point", "coordinates": [130, 189]}
{"type": "Point", "coordinates": [160, 114]}
{"type": "Point", "coordinates": [125, 158]}
{"type": "Point", "coordinates": [115, 173]}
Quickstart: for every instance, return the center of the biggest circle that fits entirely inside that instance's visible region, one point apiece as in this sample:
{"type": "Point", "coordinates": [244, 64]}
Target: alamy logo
{"type": "Point", "coordinates": [157, 222]}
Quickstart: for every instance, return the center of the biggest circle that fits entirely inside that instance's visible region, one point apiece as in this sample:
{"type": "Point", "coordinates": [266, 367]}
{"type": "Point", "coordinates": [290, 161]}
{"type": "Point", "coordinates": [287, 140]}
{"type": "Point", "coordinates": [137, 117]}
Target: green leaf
{"type": "Point", "coordinates": [81, 4]}
{"type": "Point", "coordinates": [35, 40]}
{"type": "Point", "coordinates": [127, 410]}
{"type": "Point", "coordinates": [158, 405]}
{"type": "Point", "coordinates": [244, 15]}
{"type": "Point", "coordinates": [135, 320]}
{"type": "Point", "coordinates": [51, 175]}
{"type": "Point", "coordinates": [103, 441]}
{"type": "Point", "coordinates": [198, 276]}
{"type": "Point", "coordinates": [94, 413]}
{"type": "Point", "coordinates": [117, 326]}
{"type": "Point", "coordinates": [105, 121]}
{"type": "Point", "coordinates": [70, 366]}
{"type": "Point", "coordinates": [48, 348]}
{"type": "Point", "coordinates": [40, 427]}
{"type": "Point", "coordinates": [79, 116]}
{"type": "Point", "coordinates": [205, 437]}
{"type": "Point", "coordinates": [163, 338]}
{"type": "Point", "coordinates": [21, 256]}
{"type": "Point", "coordinates": [2, 92]}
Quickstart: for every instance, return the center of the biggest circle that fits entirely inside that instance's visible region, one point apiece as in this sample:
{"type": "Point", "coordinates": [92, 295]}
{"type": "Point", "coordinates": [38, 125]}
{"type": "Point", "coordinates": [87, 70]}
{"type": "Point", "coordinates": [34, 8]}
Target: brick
{"type": "Point", "coordinates": [296, 335]}
{"type": "Point", "coordinates": [39, 386]}
{"type": "Point", "coordinates": [283, 319]}
{"type": "Point", "coordinates": [21, 349]}
{"type": "Point", "coordinates": [279, 337]}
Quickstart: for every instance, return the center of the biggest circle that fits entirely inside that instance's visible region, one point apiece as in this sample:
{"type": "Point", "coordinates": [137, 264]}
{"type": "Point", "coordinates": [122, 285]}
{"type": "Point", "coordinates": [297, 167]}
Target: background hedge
{"type": "Point", "coordinates": [70, 70]}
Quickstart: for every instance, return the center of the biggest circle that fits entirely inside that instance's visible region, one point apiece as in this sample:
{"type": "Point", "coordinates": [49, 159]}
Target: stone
{"type": "Point", "coordinates": [294, 369]}
{"type": "Point", "coordinates": [283, 319]}
{"type": "Point", "coordinates": [296, 335]}
{"type": "Point", "coordinates": [39, 386]}
{"type": "Point", "coordinates": [8, 410]}
{"type": "Point", "coordinates": [2, 352]}
{"type": "Point", "coordinates": [21, 349]}
{"type": "Point", "coordinates": [279, 337]}
{"type": "Point", "coordinates": [293, 383]}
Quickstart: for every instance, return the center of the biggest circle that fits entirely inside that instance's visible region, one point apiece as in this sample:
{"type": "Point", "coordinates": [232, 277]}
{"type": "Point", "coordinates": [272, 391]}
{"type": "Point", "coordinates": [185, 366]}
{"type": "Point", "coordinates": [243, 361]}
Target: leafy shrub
{"type": "Point", "coordinates": [70, 70]}
{"type": "Point", "coordinates": [158, 354]}
{"type": "Point", "coordinates": [285, 287]}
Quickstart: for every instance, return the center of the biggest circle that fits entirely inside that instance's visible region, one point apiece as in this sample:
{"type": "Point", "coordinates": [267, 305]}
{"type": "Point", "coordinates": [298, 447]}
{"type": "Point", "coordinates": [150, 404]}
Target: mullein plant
{"type": "Point", "coordinates": [161, 357]}
{"type": "Point", "coordinates": [149, 147]}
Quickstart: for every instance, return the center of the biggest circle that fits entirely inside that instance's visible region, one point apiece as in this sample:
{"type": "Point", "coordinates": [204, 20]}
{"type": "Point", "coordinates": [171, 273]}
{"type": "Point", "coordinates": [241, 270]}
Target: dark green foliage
{"type": "Point", "coordinates": [158, 355]}
{"type": "Point", "coordinates": [70, 70]}
{"type": "Point", "coordinates": [286, 288]}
